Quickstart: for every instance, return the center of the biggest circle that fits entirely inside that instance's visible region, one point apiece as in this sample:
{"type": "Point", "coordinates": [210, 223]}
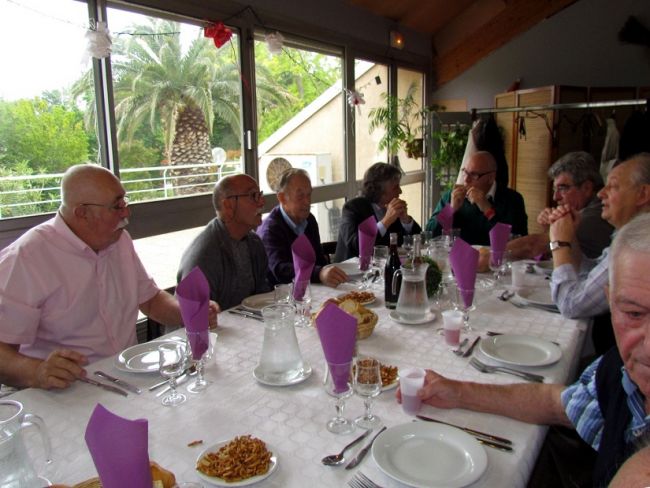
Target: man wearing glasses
{"type": "Point", "coordinates": [71, 287]}
{"type": "Point", "coordinates": [228, 251]}
{"type": "Point", "coordinates": [480, 203]}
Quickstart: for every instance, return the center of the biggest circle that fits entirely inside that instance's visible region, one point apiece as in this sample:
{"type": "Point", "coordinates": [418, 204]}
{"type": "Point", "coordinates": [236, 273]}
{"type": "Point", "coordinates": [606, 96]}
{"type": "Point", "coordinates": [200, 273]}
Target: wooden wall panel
{"type": "Point", "coordinates": [506, 122]}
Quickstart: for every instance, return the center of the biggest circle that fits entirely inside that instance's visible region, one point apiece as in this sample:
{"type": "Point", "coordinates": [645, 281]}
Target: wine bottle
{"type": "Point", "coordinates": [392, 264]}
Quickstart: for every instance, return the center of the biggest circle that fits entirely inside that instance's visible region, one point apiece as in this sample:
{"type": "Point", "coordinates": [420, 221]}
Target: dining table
{"type": "Point", "coordinates": [292, 419]}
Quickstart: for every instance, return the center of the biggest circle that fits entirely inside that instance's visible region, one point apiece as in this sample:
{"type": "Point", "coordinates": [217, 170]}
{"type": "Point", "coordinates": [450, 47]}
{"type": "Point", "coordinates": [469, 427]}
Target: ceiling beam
{"type": "Point", "coordinates": [517, 17]}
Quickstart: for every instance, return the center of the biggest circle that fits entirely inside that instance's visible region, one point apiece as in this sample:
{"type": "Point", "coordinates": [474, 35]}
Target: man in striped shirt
{"type": "Point", "coordinates": [609, 405]}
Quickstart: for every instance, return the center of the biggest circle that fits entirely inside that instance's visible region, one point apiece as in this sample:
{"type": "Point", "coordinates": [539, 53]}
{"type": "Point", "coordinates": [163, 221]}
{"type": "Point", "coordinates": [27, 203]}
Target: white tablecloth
{"type": "Point", "coordinates": [292, 419]}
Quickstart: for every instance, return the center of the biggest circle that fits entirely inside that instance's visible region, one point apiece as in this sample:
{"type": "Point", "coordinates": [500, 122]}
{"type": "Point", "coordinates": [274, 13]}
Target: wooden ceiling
{"type": "Point", "coordinates": [464, 31]}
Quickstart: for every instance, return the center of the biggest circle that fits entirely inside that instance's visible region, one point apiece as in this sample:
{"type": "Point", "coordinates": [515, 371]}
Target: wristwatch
{"type": "Point", "coordinates": [558, 244]}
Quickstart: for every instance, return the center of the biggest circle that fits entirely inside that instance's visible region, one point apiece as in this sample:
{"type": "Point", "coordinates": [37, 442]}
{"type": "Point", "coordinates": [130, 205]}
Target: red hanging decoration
{"type": "Point", "coordinates": [218, 32]}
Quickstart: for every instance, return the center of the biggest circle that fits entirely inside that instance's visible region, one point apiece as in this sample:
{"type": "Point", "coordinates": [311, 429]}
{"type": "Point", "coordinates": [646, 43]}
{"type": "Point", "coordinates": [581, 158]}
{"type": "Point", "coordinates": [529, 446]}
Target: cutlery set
{"type": "Point", "coordinates": [485, 368]}
{"type": "Point", "coordinates": [490, 440]}
{"type": "Point", "coordinates": [246, 313]}
{"type": "Point", "coordinates": [337, 459]}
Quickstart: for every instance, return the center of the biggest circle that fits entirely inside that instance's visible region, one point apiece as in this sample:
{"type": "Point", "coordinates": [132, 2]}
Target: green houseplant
{"type": "Point", "coordinates": [447, 156]}
{"type": "Point", "coordinates": [403, 123]}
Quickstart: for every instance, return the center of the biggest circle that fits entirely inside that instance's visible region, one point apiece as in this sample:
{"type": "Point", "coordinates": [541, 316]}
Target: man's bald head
{"type": "Point", "coordinates": [85, 183]}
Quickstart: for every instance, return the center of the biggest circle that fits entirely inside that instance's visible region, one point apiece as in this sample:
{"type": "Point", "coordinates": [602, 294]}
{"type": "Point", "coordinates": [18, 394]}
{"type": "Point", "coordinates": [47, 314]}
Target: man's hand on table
{"type": "Point", "coordinates": [61, 368]}
{"type": "Point", "coordinates": [332, 275]}
{"type": "Point", "coordinates": [437, 391]}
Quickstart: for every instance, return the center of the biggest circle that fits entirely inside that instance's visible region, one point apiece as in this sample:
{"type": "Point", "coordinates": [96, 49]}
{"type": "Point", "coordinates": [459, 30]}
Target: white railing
{"type": "Point", "coordinates": [35, 194]}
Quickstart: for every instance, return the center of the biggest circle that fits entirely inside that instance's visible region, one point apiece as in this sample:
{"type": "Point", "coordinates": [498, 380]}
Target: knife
{"type": "Point", "coordinates": [364, 451]}
{"type": "Point", "coordinates": [468, 353]}
{"type": "Point", "coordinates": [489, 437]}
{"type": "Point", "coordinates": [119, 382]}
{"type": "Point", "coordinates": [247, 314]}
{"type": "Point", "coordinates": [114, 389]}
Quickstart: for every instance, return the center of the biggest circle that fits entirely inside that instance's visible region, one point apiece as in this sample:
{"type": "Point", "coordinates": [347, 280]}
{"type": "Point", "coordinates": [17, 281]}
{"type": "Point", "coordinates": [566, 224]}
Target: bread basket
{"type": "Point", "coordinates": [366, 319]}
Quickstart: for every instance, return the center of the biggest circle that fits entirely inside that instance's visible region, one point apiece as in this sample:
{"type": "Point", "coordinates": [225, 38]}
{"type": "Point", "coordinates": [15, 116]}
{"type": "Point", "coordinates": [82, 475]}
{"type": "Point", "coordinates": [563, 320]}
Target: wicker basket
{"type": "Point", "coordinates": [365, 328]}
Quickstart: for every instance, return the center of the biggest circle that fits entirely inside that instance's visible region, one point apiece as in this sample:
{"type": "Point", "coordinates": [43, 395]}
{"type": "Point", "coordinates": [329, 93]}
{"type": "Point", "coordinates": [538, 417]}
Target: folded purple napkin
{"type": "Point", "coordinates": [337, 331]}
{"type": "Point", "coordinates": [446, 217]}
{"type": "Point", "coordinates": [304, 258]}
{"type": "Point", "coordinates": [463, 259]}
{"type": "Point", "coordinates": [367, 235]}
{"type": "Point", "coordinates": [193, 293]}
{"type": "Point", "coordinates": [499, 235]}
{"type": "Point", "coordinates": [120, 449]}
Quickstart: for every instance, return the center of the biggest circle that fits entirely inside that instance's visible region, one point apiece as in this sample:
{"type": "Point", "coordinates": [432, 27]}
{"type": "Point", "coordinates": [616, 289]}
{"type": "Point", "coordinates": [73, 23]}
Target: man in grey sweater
{"type": "Point", "coordinates": [228, 251]}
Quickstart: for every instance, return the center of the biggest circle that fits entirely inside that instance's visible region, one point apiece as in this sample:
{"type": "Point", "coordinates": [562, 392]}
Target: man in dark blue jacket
{"type": "Point", "coordinates": [285, 223]}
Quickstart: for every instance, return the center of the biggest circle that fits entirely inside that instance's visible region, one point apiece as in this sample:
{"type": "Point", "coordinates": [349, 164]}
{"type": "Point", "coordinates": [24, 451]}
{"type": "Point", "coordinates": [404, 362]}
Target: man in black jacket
{"type": "Point", "coordinates": [379, 198]}
{"type": "Point", "coordinates": [609, 405]}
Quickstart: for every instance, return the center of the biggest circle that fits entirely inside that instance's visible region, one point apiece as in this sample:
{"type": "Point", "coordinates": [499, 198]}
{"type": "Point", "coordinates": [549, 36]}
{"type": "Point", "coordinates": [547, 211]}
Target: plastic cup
{"type": "Point", "coordinates": [452, 322]}
{"type": "Point", "coordinates": [522, 278]}
{"type": "Point", "coordinates": [410, 381]}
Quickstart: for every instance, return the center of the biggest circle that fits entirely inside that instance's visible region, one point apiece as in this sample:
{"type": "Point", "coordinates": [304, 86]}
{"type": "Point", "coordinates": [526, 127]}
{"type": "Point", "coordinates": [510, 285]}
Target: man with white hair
{"type": "Point", "coordinates": [228, 251]}
{"type": "Point", "coordinates": [71, 287]}
{"type": "Point", "coordinates": [609, 406]}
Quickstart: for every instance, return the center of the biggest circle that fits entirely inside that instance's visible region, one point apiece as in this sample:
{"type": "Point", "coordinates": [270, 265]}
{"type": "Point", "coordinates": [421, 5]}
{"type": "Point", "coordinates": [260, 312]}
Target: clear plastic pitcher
{"type": "Point", "coordinates": [280, 361]}
{"type": "Point", "coordinates": [16, 468]}
{"type": "Point", "coordinates": [412, 303]}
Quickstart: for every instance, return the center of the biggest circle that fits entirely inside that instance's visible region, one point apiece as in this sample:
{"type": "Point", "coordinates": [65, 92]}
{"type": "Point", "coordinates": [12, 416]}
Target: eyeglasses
{"type": "Point", "coordinates": [120, 205]}
{"type": "Point", "coordinates": [255, 196]}
{"type": "Point", "coordinates": [471, 176]}
{"type": "Point", "coordinates": [562, 189]}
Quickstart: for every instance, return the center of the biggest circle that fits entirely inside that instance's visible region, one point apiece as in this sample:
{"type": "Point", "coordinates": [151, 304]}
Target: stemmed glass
{"type": "Point", "coordinates": [367, 384]}
{"type": "Point", "coordinates": [380, 256]}
{"type": "Point", "coordinates": [464, 303]}
{"type": "Point", "coordinates": [340, 388]}
{"type": "Point", "coordinates": [499, 262]}
{"type": "Point", "coordinates": [198, 339]}
{"type": "Point", "coordinates": [407, 244]}
{"type": "Point", "coordinates": [302, 305]}
{"type": "Point", "coordinates": [172, 362]}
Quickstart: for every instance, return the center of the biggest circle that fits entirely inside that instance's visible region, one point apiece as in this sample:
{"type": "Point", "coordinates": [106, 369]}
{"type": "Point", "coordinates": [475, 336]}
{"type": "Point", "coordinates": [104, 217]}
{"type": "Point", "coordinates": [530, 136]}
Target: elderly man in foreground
{"type": "Point", "coordinates": [71, 287]}
{"type": "Point", "coordinates": [228, 251]}
{"type": "Point", "coordinates": [379, 198]}
{"type": "Point", "coordinates": [291, 218]}
{"type": "Point", "coordinates": [609, 405]}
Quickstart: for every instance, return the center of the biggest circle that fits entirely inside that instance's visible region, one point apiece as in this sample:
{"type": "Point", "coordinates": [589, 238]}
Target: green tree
{"type": "Point", "coordinates": [49, 138]}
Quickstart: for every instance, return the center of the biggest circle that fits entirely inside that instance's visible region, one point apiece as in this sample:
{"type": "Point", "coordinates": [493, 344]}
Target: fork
{"type": "Point", "coordinates": [484, 368]}
{"type": "Point", "coordinates": [362, 481]}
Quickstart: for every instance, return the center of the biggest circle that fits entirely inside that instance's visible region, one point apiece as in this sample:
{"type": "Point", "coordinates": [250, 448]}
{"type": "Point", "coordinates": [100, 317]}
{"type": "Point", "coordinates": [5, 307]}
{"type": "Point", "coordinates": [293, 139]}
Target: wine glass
{"type": "Point", "coordinates": [340, 388]}
{"type": "Point", "coordinates": [172, 363]}
{"type": "Point", "coordinates": [198, 340]}
{"type": "Point", "coordinates": [302, 305]}
{"type": "Point", "coordinates": [367, 384]}
{"type": "Point", "coordinates": [464, 303]}
{"type": "Point", "coordinates": [499, 262]}
{"type": "Point", "coordinates": [380, 256]}
{"type": "Point", "coordinates": [407, 244]}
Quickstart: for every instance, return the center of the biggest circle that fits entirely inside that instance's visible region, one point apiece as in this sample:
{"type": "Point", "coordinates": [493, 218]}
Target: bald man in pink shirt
{"type": "Point", "coordinates": [71, 287]}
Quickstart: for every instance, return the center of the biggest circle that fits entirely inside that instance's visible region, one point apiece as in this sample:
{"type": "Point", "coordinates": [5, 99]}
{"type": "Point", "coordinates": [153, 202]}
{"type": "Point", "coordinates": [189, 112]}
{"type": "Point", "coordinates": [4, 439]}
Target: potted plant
{"type": "Point", "coordinates": [447, 156]}
{"type": "Point", "coordinates": [403, 123]}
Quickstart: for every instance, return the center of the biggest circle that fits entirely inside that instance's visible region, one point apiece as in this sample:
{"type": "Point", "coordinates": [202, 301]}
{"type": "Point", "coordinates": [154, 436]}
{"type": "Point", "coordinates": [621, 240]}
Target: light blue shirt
{"type": "Point", "coordinates": [580, 402]}
{"type": "Point", "coordinates": [297, 228]}
{"type": "Point", "coordinates": [380, 212]}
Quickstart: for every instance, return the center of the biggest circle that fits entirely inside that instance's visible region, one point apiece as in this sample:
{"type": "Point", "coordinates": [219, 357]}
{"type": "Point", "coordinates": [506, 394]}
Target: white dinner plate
{"type": "Point", "coordinates": [256, 303]}
{"type": "Point", "coordinates": [538, 295]}
{"type": "Point", "coordinates": [397, 317]}
{"type": "Point", "coordinates": [213, 480]}
{"type": "Point", "coordinates": [350, 268]}
{"type": "Point", "coordinates": [520, 350]}
{"type": "Point", "coordinates": [429, 455]}
{"type": "Point", "coordinates": [141, 358]}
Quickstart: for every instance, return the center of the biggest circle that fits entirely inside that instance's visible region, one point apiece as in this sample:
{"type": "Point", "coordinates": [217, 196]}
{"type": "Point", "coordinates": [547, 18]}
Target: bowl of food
{"type": "Point", "coordinates": [366, 319]}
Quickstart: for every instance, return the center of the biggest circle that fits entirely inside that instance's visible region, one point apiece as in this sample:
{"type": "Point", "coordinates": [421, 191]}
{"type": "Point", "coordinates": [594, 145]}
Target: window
{"type": "Point", "coordinates": [42, 130]}
{"type": "Point", "coordinates": [299, 112]}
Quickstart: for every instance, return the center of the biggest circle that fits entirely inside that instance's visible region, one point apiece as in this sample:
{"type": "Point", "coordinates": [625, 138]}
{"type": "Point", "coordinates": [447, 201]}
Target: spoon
{"type": "Point", "coordinates": [336, 459]}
